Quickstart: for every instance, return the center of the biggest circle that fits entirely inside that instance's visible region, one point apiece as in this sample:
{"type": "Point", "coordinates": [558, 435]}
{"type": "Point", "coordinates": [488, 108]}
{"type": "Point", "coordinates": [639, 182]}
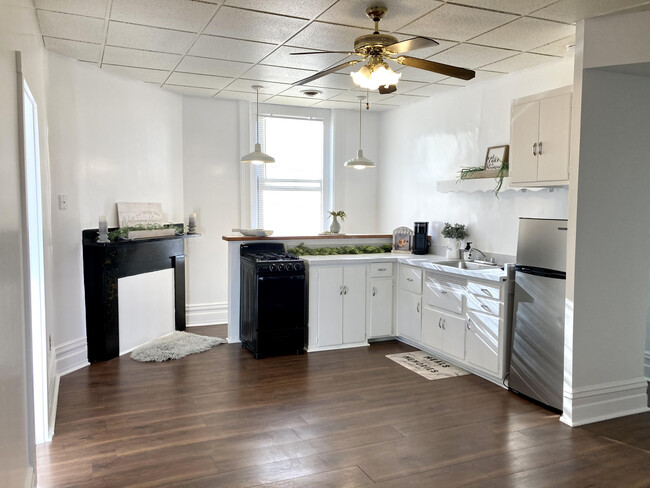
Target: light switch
{"type": "Point", "coordinates": [63, 202]}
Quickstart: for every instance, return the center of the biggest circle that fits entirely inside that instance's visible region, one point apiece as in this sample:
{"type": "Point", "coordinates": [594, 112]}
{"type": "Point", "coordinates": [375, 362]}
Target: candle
{"type": "Point", "coordinates": [103, 224]}
{"type": "Point", "coordinates": [193, 219]}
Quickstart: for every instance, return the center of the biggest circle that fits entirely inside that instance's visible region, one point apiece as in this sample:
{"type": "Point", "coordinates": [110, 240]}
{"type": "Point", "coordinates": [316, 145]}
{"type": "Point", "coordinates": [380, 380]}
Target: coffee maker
{"type": "Point", "coordinates": [421, 239]}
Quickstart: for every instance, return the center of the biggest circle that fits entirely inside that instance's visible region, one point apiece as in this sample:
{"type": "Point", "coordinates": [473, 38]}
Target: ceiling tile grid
{"type": "Point", "coordinates": [222, 47]}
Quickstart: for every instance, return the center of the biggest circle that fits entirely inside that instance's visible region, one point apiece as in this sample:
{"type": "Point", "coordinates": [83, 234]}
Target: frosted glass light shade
{"type": "Point", "coordinates": [359, 162]}
{"type": "Point", "coordinates": [373, 78]}
{"type": "Point", "coordinates": [257, 156]}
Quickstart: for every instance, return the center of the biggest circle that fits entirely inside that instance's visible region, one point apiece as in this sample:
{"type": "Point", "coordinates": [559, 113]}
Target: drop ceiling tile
{"type": "Point", "coordinates": [89, 8]}
{"type": "Point", "coordinates": [83, 51]}
{"type": "Point", "coordinates": [429, 51]}
{"type": "Point", "coordinates": [199, 81]}
{"type": "Point", "coordinates": [318, 62]}
{"type": "Point", "coordinates": [191, 90]}
{"type": "Point", "coordinates": [414, 74]}
{"type": "Point", "coordinates": [170, 14]}
{"type": "Point", "coordinates": [432, 90]}
{"type": "Point", "coordinates": [148, 38]}
{"type": "Point", "coordinates": [457, 23]}
{"type": "Point", "coordinates": [72, 27]}
{"type": "Point", "coordinates": [253, 26]}
{"type": "Point", "coordinates": [142, 74]}
{"type": "Point", "coordinates": [471, 56]}
{"type": "Point", "coordinates": [511, 6]}
{"type": "Point", "coordinates": [327, 37]}
{"type": "Point", "coordinates": [334, 80]}
{"type": "Point", "coordinates": [295, 91]}
{"type": "Point", "coordinates": [296, 8]}
{"type": "Point", "coordinates": [525, 33]}
{"type": "Point", "coordinates": [400, 13]}
{"type": "Point", "coordinates": [574, 10]}
{"type": "Point", "coordinates": [231, 49]}
{"type": "Point", "coordinates": [337, 105]}
{"type": "Point", "coordinates": [138, 58]}
{"type": "Point", "coordinates": [401, 86]}
{"type": "Point", "coordinates": [518, 62]}
{"type": "Point", "coordinates": [481, 75]}
{"type": "Point", "coordinates": [403, 100]}
{"type": "Point", "coordinates": [218, 67]}
{"type": "Point", "coordinates": [300, 101]}
{"type": "Point", "coordinates": [279, 75]}
{"type": "Point", "coordinates": [269, 88]}
{"type": "Point", "coordinates": [235, 95]}
{"type": "Point", "coordinates": [558, 48]}
{"type": "Point", "coordinates": [353, 96]}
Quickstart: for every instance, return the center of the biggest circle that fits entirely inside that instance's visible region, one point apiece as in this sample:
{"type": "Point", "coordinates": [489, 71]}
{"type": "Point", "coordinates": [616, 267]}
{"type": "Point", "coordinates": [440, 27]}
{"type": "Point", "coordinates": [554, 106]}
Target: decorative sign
{"type": "Point", "coordinates": [496, 157]}
{"type": "Point", "coordinates": [403, 240]}
{"type": "Point", "coordinates": [131, 214]}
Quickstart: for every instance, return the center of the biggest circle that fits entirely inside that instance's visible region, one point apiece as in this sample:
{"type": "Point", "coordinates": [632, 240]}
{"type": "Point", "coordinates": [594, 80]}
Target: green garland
{"type": "Point", "coordinates": [302, 250]}
{"type": "Point", "coordinates": [123, 232]}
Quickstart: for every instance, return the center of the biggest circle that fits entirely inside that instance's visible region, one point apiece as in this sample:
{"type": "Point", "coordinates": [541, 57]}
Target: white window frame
{"type": "Point", "coordinates": [328, 170]}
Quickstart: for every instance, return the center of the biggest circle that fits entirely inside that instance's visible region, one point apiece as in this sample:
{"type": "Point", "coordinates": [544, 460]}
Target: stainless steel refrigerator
{"type": "Point", "coordinates": [537, 355]}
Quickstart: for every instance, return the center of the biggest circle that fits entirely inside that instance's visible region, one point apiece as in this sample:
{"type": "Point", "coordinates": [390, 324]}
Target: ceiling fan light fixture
{"type": "Point", "coordinates": [372, 77]}
{"type": "Point", "coordinates": [257, 156]}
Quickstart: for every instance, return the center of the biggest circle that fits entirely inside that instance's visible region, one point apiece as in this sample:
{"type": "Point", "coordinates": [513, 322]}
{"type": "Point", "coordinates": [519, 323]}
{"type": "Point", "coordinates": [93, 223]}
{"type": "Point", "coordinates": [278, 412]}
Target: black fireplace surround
{"type": "Point", "coordinates": [105, 263]}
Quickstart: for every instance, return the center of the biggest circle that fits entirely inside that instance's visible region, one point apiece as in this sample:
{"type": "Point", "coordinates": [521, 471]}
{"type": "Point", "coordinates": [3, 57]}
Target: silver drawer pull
{"type": "Point", "coordinates": [431, 305]}
{"type": "Point", "coordinates": [469, 321]}
{"type": "Point", "coordinates": [486, 291]}
{"type": "Point", "coordinates": [409, 279]}
{"type": "Point", "coordinates": [443, 292]}
{"type": "Point", "coordinates": [381, 269]}
{"type": "Point", "coordinates": [374, 291]}
{"type": "Point", "coordinates": [485, 307]}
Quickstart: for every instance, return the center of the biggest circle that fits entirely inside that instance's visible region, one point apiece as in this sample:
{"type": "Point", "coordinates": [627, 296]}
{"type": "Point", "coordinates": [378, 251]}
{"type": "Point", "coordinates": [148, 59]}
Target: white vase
{"type": "Point", "coordinates": [335, 227]}
{"type": "Point", "coordinates": [453, 249]}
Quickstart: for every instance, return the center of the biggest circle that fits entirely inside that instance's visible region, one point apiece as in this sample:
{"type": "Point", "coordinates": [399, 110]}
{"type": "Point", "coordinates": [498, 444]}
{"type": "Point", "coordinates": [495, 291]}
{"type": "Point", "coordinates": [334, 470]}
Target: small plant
{"type": "Point", "coordinates": [456, 231]}
{"type": "Point", "coordinates": [502, 172]}
{"type": "Point", "coordinates": [338, 213]}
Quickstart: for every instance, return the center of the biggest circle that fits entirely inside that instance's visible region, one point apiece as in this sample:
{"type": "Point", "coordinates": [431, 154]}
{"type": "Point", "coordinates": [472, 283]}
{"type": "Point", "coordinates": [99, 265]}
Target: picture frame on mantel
{"type": "Point", "coordinates": [496, 156]}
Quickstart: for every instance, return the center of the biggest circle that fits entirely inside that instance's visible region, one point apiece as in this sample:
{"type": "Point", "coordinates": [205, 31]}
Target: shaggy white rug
{"type": "Point", "coordinates": [174, 346]}
{"type": "Point", "coordinates": [426, 365]}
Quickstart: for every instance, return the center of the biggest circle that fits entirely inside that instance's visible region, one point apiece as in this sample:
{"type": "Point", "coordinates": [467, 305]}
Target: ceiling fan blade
{"type": "Point", "coordinates": [411, 44]}
{"type": "Point", "coordinates": [384, 91]}
{"type": "Point", "coordinates": [326, 72]}
{"type": "Point", "coordinates": [324, 52]}
{"type": "Point", "coordinates": [443, 69]}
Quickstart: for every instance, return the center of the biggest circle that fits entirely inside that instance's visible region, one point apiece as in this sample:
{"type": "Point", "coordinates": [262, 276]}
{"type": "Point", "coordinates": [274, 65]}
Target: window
{"type": "Point", "coordinates": [291, 192]}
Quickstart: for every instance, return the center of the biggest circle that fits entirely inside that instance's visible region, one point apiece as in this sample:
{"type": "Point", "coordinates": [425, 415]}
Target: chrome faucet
{"type": "Point", "coordinates": [475, 249]}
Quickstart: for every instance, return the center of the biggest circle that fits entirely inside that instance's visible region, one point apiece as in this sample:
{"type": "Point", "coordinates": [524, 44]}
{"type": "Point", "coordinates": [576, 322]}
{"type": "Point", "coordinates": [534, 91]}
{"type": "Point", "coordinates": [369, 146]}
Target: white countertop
{"type": "Point", "coordinates": [425, 261]}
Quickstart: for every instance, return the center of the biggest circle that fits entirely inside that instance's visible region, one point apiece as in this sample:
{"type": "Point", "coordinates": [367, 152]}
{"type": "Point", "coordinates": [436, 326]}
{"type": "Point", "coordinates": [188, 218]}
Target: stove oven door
{"type": "Point", "coordinates": [281, 303]}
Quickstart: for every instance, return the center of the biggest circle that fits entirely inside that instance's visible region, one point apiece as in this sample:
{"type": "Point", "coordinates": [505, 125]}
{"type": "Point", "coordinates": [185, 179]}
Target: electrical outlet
{"type": "Point", "coordinates": [63, 202]}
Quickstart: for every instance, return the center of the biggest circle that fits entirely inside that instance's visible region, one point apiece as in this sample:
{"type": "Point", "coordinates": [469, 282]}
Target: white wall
{"type": "Point", "coordinates": [112, 140]}
{"type": "Point", "coordinates": [431, 140]}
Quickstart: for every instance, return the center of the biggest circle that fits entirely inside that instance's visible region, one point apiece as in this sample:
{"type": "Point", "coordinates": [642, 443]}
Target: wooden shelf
{"type": "Point", "coordinates": [482, 184]}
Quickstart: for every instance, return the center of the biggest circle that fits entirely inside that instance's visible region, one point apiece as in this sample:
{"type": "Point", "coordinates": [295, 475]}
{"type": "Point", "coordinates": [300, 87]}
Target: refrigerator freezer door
{"type": "Point", "coordinates": [537, 360]}
{"type": "Point", "coordinates": [542, 243]}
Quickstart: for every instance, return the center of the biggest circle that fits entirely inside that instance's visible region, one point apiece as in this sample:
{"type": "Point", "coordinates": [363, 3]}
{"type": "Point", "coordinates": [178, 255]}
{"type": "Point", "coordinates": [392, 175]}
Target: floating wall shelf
{"type": "Point", "coordinates": [484, 184]}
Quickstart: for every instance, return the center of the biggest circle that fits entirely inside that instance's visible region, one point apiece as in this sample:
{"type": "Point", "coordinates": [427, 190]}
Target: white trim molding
{"type": "Point", "coordinates": [53, 392]}
{"type": "Point", "coordinates": [605, 401]}
{"type": "Point", "coordinates": [71, 356]}
{"type": "Point", "coordinates": [646, 365]}
{"type": "Point", "coordinates": [207, 314]}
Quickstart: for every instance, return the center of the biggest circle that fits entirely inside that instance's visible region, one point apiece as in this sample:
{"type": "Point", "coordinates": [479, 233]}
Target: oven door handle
{"type": "Point", "coordinates": [285, 277]}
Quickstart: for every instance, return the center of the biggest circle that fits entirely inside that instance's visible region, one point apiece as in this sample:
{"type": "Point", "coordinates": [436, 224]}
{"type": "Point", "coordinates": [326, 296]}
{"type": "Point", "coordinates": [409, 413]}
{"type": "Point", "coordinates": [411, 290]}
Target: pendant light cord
{"type": "Point", "coordinates": [360, 123]}
{"type": "Point", "coordinates": [257, 116]}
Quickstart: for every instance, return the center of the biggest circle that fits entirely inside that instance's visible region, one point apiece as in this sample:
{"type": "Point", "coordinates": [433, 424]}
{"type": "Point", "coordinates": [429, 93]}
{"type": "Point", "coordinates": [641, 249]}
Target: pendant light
{"type": "Point", "coordinates": [359, 162]}
{"type": "Point", "coordinates": [257, 156]}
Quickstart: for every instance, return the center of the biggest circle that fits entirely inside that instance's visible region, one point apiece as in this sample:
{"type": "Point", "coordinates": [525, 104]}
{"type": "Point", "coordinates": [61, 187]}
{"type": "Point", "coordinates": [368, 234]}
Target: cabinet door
{"type": "Point", "coordinates": [432, 328]}
{"type": "Point", "coordinates": [554, 138]}
{"type": "Point", "coordinates": [483, 341]}
{"type": "Point", "coordinates": [330, 306]}
{"type": "Point", "coordinates": [354, 304]}
{"type": "Point", "coordinates": [408, 315]}
{"type": "Point", "coordinates": [381, 307]}
{"type": "Point", "coordinates": [524, 134]}
{"type": "Point", "coordinates": [453, 331]}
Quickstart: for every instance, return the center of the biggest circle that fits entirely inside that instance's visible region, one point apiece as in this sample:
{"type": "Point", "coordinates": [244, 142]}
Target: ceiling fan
{"type": "Point", "coordinates": [376, 48]}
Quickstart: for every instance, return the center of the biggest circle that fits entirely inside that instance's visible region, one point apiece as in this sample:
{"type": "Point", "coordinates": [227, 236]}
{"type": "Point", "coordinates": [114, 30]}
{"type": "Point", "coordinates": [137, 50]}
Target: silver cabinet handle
{"type": "Point", "coordinates": [443, 292]}
{"type": "Point", "coordinates": [374, 291]}
{"type": "Point", "coordinates": [341, 290]}
{"type": "Point", "coordinates": [485, 307]}
{"type": "Point", "coordinates": [444, 321]}
{"type": "Point", "coordinates": [345, 290]}
{"type": "Point", "coordinates": [439, 321]}
{"type": "Point", "coordinates": [535, 149]}
{"type": "Point", "coordinates": [418, 307]}
{"type": "Point", "coordinates": [409, 279]}
{"type": "Point", "coordinates": [539, 149]}
{"type": "Point", "coordinates": [469, 321]}
{"type": "Point", "coordinates": [381, 269]}
{"type": "Point", "coordinates": [486, 291]}
{"type": "Point", "coordinates": [431, 305]}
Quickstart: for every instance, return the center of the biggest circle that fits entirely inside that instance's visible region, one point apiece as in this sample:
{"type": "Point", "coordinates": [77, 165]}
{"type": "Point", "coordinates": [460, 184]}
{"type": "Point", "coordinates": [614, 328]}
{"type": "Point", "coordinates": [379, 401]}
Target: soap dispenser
{"type": "Point", "coordinates": [466, 251]}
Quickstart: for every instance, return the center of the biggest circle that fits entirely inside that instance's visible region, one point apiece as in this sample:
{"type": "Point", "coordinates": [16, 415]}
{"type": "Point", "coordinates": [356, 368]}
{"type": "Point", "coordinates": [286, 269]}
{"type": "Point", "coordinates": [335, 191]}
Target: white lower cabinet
{"type": "Point", "coordinates": [337, 314]}
{"type": "Point", "coordinates": [381, 308]}
{"type": "Point", "coordinates": [409, 311]}
{"type": "Point", "coordinates": [444, 332]}
{"type": "Point", "coordinates": [483, 339]}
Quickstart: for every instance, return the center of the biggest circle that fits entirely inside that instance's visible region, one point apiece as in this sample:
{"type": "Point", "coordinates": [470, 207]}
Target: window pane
{"type": "Point", "coordinates": [292, 212]}
{"type": "Point", "coordinates": [297, 146]}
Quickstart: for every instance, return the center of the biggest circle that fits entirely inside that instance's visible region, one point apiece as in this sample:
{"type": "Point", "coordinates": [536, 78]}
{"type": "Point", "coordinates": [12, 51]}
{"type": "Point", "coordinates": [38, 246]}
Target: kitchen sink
{"type": "Point", "coordinates": [462, 264]}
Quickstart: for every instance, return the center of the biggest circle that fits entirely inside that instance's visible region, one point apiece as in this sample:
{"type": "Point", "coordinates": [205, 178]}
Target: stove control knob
{"type": "Point", "coordinates": [297, 267]}
{"type": "Point", "coordinates": [280, 267]}
{"type": "Point", "coordinates": [273, 267]}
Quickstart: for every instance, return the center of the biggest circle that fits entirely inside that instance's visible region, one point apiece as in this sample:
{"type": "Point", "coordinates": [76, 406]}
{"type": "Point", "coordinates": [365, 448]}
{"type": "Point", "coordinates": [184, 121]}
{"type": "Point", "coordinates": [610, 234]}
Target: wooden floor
{"type": "Point", "coordinates": [341, 419]}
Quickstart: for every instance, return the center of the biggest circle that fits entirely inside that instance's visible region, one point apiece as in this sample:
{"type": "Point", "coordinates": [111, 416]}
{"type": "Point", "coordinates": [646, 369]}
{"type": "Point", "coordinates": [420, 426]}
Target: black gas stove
{"type": "Point", "coordinates": [273, 300]}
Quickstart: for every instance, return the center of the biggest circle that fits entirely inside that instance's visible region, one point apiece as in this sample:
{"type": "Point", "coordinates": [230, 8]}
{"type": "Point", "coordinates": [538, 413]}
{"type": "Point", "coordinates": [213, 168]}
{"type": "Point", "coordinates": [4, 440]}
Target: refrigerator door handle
{"type": "Point", "coordinates": [543, 272]}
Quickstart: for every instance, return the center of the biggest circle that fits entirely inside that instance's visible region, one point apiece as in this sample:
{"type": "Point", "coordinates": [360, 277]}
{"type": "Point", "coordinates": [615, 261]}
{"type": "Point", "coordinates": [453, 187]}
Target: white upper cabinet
{"type": "Point", "coordinates": [540, 139]}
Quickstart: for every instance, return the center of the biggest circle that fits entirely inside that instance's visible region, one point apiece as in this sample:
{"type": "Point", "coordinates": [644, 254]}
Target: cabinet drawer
{"type": "Point", "coordinates": [484, 305]}
{"type": "Point", "coordinates": [484, 290]}
{"type": "Point", "coordinates": [410, 279]}
{"type": "Point", "coordinates": [377, 270]}
{"type": "Point", "coordinates": [442, 297]}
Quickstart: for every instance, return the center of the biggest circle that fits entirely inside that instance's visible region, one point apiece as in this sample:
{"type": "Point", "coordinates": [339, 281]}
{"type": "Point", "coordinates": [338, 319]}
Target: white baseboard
{"type": "Point", "coordinates": [605, 401]}
{"type": "Point", "coordinates": [30, 478]}
{"type": "Point", "coordinates": [646, 365]}
{"type": "Point", "coordinates": [207, 314]}
{"type": "Point", "coordinates": [71, 356]}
